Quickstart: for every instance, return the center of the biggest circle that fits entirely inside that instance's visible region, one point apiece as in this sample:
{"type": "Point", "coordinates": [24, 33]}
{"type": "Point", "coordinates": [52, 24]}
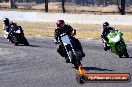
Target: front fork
{"type": "Point", "coordinates": [66, 46]}
{"type": "Point", "coordinates": [69, 48]}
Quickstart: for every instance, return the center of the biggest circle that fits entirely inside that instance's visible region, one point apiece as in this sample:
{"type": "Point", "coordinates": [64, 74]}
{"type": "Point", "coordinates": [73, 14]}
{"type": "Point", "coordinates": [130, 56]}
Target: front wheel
{"type": "Point", "coordinates": [80, 79]}
{"type": "Point", "coordinates": [25, 42]}
{"type": "Point", "coordinates": [76, 62]}
{"type": "Point", "coordinates": [120, 55]}
{"type": "Point", "coordinates": [126, 53]}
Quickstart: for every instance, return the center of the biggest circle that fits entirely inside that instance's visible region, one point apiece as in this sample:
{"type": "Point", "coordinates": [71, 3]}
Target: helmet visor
{"type": "Point", "coordinates": [105, 27]}
{"type": "Point", "coordinates": [60, 25]}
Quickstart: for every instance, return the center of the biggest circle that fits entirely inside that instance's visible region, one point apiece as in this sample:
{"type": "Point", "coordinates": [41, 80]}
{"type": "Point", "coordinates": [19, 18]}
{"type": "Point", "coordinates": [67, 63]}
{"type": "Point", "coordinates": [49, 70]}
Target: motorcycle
{"type": "Point", "coordinates": [73, 55]}
{"type": "Point", "coordinates": [17, 37]}
{"type": "Point", "coordinates": [117, 43]}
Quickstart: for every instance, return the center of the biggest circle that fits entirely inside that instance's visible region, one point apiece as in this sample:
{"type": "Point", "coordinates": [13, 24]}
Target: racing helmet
{"type": "Point", "coordinates": [6, 20]}
{"type": "Point", "coordinates": [105, 25]}
{"type": "Point", "coordinates": [60, 23]}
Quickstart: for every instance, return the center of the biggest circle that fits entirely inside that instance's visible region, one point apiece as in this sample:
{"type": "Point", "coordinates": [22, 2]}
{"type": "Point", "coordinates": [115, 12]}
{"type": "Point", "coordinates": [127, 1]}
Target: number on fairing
{"type": "Point", "coordinates": [65, 39]}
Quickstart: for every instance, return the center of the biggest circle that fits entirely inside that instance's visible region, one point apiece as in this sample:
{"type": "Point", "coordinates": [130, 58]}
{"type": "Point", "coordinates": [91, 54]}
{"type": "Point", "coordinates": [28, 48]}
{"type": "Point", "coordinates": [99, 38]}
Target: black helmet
{"type": "Point", "coordinates": [105, 24]}
{"type": "Point", "coordinates": [6, 20]}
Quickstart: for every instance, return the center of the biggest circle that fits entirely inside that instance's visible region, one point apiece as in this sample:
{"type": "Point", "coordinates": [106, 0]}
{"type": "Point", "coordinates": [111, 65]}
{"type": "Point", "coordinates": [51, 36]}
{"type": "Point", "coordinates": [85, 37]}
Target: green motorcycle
{"type": "Point", "coordinates": [117, 43]}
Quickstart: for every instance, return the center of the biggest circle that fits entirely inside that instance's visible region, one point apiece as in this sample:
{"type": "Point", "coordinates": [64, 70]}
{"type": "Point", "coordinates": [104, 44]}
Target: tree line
{"type": "Point", "coordinates": [79, 2]}
{"type": "Point", "coordinates": [120, 3]}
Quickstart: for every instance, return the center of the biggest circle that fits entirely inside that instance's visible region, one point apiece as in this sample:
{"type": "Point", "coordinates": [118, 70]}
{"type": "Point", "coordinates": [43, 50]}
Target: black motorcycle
{"type": "Point", "coordinates": [17, 37]}
{"type": "Point", "coordinates": [73, 55]}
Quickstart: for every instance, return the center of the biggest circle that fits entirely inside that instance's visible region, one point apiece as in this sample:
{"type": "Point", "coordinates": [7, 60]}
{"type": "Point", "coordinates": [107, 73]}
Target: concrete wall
{"type": "Point", "coordinates": [69, 18]}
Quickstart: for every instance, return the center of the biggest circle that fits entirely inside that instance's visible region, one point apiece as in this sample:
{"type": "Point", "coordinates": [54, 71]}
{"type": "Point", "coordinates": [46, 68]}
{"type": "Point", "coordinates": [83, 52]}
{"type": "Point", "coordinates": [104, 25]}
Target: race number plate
{"type": "Point", "coordinates": [65, 39]}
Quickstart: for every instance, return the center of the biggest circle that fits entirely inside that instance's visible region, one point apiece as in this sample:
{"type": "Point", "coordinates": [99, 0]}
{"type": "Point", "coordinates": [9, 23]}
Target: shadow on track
{"type": "Point", "coordinates": [28, 46]}
{"type": "Point", "coordinates": [95, 68]}
{"type": "Point", "coordinates": [125, 58]}
{"type": "Point", "coordinates": [34, 46]}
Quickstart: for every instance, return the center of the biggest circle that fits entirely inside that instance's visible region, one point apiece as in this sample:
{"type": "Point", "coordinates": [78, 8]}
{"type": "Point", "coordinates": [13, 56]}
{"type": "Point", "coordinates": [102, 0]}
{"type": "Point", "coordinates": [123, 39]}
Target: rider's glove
{"type": "Point", "coordinates": [55, 41]}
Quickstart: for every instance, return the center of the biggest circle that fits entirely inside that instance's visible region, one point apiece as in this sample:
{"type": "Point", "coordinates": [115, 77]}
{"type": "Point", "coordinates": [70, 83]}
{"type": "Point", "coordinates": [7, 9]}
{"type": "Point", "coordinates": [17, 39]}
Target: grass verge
{"type": "Point", "coordinates": [47, 29]}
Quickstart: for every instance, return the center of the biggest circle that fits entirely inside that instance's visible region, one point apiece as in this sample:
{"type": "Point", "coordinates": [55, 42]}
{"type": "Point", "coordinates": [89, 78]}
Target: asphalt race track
{"type": "Point", "coordinates": [39, 65]}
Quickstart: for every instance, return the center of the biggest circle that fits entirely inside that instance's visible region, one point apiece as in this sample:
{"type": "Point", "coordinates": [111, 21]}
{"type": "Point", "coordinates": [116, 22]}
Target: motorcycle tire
{"type": "Point", "coordinates": [74, 61]}
{"type": "Point", "coordinates": [126, 53]}
{"type": "Point", "coordinates": [80, 79]}
{"type": "Point", "coordinates": [13, 39]}
{"type": "Point", "coordinates": [25, 42]}
{"type": "Point", "coordinates": [120, 55]}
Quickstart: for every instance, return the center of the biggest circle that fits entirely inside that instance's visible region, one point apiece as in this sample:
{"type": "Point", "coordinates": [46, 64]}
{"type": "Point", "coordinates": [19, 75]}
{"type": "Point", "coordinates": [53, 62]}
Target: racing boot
{"type": "Point", "coordinates": [107, 47]}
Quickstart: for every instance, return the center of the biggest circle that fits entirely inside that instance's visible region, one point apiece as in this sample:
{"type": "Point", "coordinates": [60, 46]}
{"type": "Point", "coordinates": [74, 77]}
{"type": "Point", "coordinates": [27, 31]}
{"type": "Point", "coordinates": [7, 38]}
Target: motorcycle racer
{"type": "Point", "coordinates": [65, 28]}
